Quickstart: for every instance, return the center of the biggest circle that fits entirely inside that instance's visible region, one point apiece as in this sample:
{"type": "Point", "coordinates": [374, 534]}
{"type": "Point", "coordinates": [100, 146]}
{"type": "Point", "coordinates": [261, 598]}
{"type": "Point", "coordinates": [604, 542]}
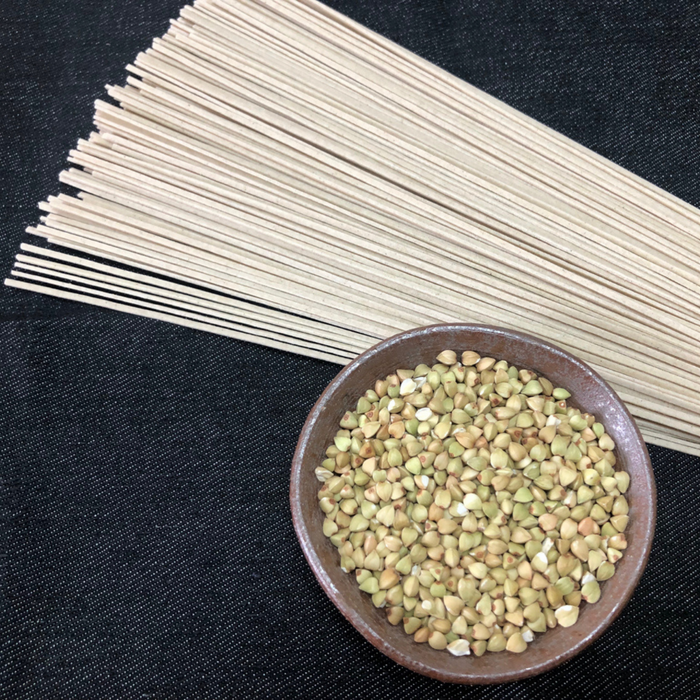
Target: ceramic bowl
{"type": "Point", "coordinates": [589, 393]}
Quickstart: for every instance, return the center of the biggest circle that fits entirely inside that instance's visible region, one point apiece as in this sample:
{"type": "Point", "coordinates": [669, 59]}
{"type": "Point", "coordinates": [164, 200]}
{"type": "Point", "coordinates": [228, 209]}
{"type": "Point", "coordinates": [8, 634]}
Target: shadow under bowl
{"type": "Point", "coordinates": [590, 393]}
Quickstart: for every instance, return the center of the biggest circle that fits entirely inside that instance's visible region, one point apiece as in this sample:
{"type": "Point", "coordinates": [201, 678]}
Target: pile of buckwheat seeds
{"type": "Point", "coordinates": [473, 504]}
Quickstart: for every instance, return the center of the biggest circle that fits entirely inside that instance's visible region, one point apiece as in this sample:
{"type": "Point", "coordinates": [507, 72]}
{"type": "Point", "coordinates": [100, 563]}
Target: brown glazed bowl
{"type": "Point", "coordinates": [589, 393]}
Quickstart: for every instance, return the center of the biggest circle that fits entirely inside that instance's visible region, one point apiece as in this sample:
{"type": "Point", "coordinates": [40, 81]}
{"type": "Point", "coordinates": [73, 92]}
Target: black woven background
{"type": "Point", "coordinates": [147, 547]}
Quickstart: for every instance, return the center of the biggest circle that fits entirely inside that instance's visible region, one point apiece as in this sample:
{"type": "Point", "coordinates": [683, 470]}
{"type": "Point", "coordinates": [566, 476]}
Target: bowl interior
{"type": "Point", "coordinates": [589, 392]}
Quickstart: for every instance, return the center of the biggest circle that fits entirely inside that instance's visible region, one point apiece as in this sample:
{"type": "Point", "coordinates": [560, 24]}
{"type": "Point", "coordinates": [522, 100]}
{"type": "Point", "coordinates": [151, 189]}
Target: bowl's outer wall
{"type": "Point", "coordinates": [591, 393]}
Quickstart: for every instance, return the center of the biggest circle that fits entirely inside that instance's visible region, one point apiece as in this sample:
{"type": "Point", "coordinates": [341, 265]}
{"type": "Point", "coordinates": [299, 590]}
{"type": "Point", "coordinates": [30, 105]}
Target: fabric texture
{"type": "Point", "coordinates": [146, 538]}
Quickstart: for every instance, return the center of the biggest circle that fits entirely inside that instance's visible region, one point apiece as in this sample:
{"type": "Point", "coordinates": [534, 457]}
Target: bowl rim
{"type": "Point", "coordinates": [338, 600]}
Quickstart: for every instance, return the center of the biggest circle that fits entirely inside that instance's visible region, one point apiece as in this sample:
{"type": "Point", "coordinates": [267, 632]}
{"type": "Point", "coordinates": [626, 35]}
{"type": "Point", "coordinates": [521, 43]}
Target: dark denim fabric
{"type": "Point", "coordinates": [147, 548]}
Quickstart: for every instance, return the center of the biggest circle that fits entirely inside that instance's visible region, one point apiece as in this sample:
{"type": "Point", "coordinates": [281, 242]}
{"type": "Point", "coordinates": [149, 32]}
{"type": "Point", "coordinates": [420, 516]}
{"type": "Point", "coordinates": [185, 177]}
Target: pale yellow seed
{"type": "Point", "coordinates": [566, 615]}
{"type": "Point", "coordinates": [516, 643]}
